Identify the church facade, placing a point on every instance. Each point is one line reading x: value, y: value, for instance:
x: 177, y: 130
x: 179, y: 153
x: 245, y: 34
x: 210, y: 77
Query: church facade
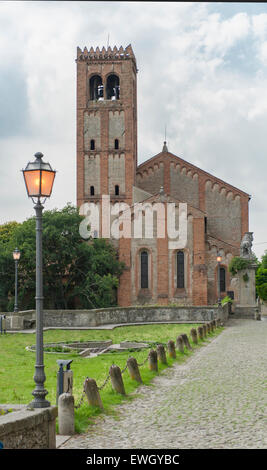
x: 160, y: 267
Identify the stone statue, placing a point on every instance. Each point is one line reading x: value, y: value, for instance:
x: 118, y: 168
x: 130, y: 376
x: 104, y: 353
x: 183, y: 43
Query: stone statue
x: 246, y: 246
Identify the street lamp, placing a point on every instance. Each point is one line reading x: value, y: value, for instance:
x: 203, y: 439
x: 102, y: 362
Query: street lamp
x: 16, y: 257
x: 219, y: 260
x: 39, y: 178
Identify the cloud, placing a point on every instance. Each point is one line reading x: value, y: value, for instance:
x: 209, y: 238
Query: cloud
x: 14, y: 113
x: 202, y: 73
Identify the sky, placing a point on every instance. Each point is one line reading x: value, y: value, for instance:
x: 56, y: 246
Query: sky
x: 202, y: 75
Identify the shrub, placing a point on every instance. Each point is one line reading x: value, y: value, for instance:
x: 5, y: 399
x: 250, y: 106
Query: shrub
x: 261, y: 283
x: 226, y: 300
x: 237, y: 263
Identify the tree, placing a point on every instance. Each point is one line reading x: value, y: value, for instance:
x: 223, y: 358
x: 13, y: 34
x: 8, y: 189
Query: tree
x: 6, y: 231
x: 7, y: 245
x: 76, y: 273
x: 261, y: 278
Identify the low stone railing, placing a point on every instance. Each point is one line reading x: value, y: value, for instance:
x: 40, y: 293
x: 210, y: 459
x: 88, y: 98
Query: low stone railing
x: 116, y: 315
x: 27, y: 428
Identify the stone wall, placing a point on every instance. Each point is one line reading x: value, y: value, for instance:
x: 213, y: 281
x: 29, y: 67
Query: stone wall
x: 116, y: 172
x: 92, y: 173
x: 28, y: 428
x: 92, y: 129
x: 263, y: 308
x: 116, y: 315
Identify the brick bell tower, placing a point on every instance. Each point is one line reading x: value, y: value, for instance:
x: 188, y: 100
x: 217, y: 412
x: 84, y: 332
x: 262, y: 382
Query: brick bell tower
x: 107, y: 135
x: 106, y: 124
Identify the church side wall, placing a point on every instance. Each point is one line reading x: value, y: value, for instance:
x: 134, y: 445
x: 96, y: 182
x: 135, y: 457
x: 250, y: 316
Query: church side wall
x: 224, y: 215
x: 152, y: 179
x: 184, y: 184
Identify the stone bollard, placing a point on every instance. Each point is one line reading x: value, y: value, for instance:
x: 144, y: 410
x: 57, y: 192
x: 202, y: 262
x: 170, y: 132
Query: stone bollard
x: 66, y: 414
x: 171, y: 349
x: 153, y: 360
x: 161, y: 354
x: 133, y: 369
x: 200, y: 332
x: 194, y: 335
x: 92, y: 393
x: 204, y: 326
x: 211, y: 327
x: 214, y: 324
x: 186, y: 341
x: 208, y: 328
x: 180, y: 344
x: 116, y: 379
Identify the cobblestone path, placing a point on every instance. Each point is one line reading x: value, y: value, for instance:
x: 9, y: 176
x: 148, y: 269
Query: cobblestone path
x: 216, y: 400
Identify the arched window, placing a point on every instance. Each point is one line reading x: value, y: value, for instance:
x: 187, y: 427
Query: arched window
x: 116, y: 144
x: 96, y: 87
x: 113, y: 87
x: 222, y: 279
x: 144, y: 269
x: 180, y: 269
x: 117, y: 190
x: 92, y: 190
x: 92, y: 144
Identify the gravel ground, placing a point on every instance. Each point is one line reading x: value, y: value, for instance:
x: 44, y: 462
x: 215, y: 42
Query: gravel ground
x: 216, y: 400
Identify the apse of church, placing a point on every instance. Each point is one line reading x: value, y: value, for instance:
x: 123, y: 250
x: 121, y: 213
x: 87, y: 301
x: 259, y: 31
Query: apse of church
x: 157, y: 272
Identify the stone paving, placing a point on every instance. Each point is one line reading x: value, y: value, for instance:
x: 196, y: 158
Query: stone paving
x: 216, y: 400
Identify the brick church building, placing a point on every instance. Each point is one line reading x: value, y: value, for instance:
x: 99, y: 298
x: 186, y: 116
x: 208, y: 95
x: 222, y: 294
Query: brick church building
x: 107, y: 164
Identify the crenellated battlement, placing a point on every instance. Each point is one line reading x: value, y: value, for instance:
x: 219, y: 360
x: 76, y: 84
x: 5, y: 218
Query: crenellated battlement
x: 105, y: 54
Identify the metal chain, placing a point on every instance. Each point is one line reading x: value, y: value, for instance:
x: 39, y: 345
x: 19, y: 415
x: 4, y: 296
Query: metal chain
x: 106, y: 381
x: 81, y: 401
x: 140, y: 365
x: 123, y: 370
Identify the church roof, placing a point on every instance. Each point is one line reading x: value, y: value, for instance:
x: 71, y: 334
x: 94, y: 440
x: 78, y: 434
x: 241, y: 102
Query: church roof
x: 165, y: 155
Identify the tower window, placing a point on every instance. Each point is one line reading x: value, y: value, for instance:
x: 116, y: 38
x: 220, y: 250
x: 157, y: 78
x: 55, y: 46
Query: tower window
x: 96, y: 87
x: 144, y: 269
x: 113, y: 87
x: 92, y: 190
x: 117, y: 190
x: 116, y: 144
x: 92, y: 144
x: 180, y: 269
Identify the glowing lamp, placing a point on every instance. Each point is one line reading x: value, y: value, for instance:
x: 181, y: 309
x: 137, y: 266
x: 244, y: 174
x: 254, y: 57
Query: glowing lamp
x: 39, y: 177
x: 16, y: 254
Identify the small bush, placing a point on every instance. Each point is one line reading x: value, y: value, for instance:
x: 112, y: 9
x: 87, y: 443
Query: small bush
x: 237, y: 264
x: 226, y: 300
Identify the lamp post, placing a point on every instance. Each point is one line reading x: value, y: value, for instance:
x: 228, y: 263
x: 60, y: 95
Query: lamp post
x: 16, y: 257
x: 219, y: 260
x: 39, y: 178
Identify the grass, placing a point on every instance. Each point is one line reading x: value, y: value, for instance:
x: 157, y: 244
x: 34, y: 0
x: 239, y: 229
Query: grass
x: 17, y: 364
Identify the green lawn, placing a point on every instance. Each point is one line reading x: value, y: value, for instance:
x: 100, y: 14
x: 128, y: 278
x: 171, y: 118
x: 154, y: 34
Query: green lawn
x: 17, y: 364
